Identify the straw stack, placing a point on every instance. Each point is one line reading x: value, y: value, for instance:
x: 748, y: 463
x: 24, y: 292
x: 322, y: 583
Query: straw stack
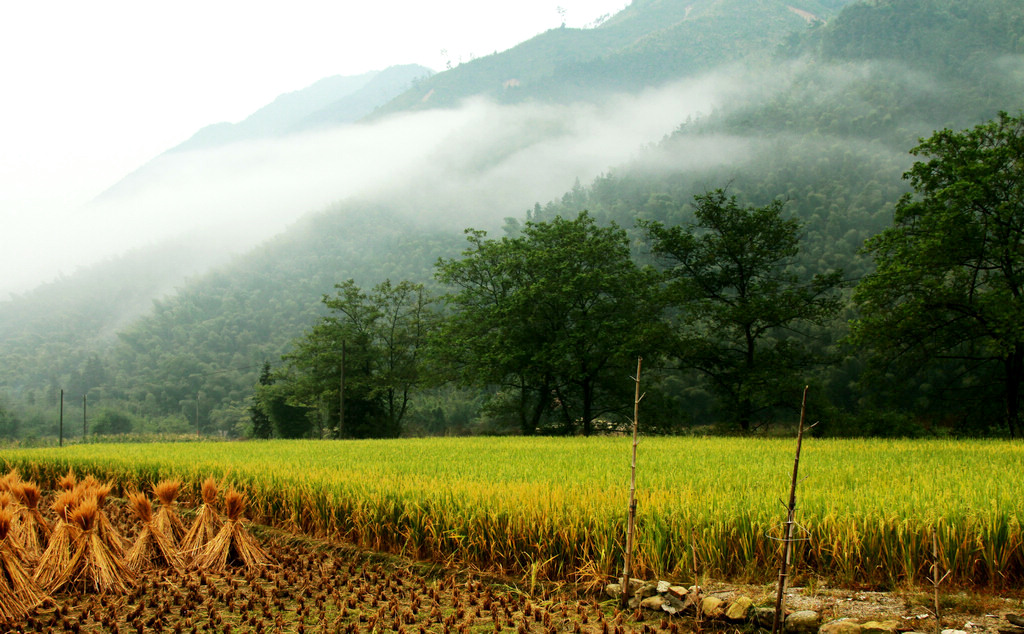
x: 206, y: 524
x: 152, y: 548
x: 8, y: 504
x: 19, y: 594
x: 67, y: 482
x: 57, y: 556
x: 10, y: 479
x: 167, y: 519
x: 33, y: 529
x: 233, y: 544
x: 93, y: 566
x: 91, y: 488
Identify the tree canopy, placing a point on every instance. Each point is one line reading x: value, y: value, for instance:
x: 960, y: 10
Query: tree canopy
x: 552, y: 315
x: 738, y: 308
x: 949, y: 285
x: 357, y: 365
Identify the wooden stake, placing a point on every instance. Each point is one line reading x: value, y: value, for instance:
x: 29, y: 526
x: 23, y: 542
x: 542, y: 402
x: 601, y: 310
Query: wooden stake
x: 626, y: 572
x: 790, y: 513
x: 936, y: 581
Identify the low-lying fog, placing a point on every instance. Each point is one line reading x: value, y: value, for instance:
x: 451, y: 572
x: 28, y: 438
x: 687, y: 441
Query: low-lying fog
x: 471, y: 165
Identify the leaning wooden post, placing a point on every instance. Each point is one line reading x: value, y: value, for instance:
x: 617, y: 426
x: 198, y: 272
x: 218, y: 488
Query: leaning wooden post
x: 626, y: 572
x: 791, y: 512
x: 936, y: 581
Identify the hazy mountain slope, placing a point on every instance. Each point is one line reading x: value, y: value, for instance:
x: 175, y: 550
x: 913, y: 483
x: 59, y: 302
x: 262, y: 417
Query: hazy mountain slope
x: 50, y: 331
x: 826, y: 129
x: 57, y: 325
x: 646, y: 44
x: 331, y: 101
x: 385, y: 86
x: 948, y: 37
x: 830, y: 137
x: 214, y: 334
x: 281, y: 115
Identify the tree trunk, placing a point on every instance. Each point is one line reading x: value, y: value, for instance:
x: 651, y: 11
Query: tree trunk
x: 1014, y: 365
x: 746, y: 413
x: 525, y: 426
x: 543, y: 400
x: 588, y: 408
x: 745, y: 408
x: 567, y: 426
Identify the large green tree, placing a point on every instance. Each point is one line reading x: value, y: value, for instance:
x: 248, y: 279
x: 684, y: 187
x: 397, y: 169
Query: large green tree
x: 740, y: 312
x: 948, y: 290
x: 554, y: 315
x: 262, y: 426
x: 359, y: 365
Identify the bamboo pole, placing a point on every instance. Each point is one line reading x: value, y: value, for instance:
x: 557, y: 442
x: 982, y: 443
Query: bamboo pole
x: 787, y: 548
x: 631, y: 522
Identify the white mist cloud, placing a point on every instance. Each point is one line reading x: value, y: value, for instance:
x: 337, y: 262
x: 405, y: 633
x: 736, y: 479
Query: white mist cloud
x: 465, y: 166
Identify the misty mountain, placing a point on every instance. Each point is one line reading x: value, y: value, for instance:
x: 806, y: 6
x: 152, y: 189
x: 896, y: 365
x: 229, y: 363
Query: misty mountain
x: 817, y: 108
x: 329, y: 102
x: 646, y: 44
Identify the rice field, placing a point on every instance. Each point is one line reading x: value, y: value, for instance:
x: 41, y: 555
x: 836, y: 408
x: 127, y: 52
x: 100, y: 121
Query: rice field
x: 554, y: 508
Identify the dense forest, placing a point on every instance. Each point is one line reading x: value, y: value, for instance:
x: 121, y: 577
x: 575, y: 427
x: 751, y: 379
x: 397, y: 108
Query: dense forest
x: 818, y: 140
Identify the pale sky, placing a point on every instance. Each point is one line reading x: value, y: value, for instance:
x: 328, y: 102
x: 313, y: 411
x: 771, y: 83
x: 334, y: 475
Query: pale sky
x: 94, y: 89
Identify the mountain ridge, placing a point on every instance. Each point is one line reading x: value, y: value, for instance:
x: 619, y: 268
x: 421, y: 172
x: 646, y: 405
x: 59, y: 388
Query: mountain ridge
x: 335, y: 100
x: 640, y: 47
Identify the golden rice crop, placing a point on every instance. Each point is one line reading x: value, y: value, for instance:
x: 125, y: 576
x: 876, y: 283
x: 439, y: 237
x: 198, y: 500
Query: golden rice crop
x: 555, y: 507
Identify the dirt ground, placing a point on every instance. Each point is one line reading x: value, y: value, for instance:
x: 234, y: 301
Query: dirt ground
x: 320, y: 587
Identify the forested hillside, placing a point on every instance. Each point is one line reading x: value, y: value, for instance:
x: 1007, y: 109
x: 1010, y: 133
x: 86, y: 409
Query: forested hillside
x: 648, y: 43
x: 824, y: 124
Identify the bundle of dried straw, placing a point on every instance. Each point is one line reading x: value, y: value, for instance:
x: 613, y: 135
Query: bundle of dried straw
x: 93, y: 566
x: 57, y: 556
x: 167, y: 519
x: 68, y: 482
x: 152, y: 548
x: 91, y: 488
x: 33, y: 529
x: 233, y: 544
x: 206, y: 523
x: 19, y: 594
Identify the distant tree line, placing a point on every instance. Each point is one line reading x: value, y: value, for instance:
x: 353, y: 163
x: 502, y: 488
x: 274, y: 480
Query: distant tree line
x: 549, y: 321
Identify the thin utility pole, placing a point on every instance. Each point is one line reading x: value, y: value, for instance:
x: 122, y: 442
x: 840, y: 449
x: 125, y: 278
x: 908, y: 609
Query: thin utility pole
x: 61, y: 417
x: 84, y: 416
x: 341, y: 394
x: 791, y: 512
x: 197, y: 416
x: 631, y: 522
